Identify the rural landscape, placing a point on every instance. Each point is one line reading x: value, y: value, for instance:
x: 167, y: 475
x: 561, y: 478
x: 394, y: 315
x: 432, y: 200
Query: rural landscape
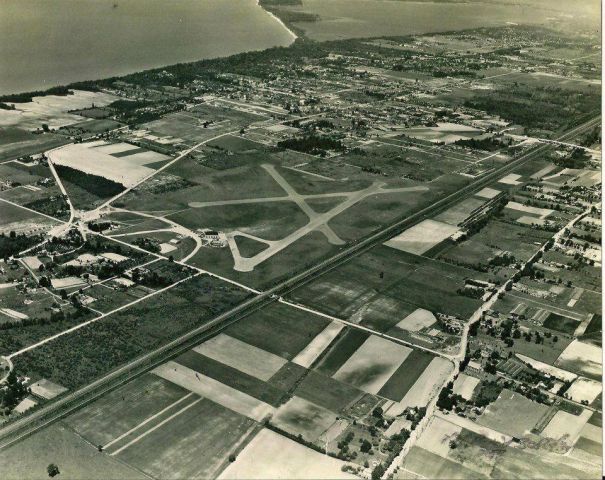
x: 363, y: 255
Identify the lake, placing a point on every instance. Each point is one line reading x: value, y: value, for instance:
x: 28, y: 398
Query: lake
x: 339, y: 19
x: 44, y: 43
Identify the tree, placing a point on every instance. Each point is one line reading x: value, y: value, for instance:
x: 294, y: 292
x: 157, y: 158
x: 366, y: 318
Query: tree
x: 52, y: 470
x: 365, y: 446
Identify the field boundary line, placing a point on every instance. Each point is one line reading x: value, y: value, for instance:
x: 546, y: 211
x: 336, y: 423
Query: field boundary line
x: 100, y: 317
x: 147, y: 420
x: 33, y: 211
x: 153, y: 429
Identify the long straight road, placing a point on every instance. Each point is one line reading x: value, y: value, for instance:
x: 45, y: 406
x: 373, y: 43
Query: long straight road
x: 53, y: 411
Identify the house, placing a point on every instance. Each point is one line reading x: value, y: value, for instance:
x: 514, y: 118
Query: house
x: 114, y: 258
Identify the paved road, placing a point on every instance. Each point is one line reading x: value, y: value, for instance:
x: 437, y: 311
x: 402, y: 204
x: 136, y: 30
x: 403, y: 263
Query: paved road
x: 53, y: 411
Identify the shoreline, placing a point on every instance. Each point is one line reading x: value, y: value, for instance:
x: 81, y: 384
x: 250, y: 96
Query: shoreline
x: 44, y: 87
x: 278, y: 20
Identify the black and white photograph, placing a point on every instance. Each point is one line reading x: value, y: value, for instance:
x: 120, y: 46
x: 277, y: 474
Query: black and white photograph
x: 301, y: 239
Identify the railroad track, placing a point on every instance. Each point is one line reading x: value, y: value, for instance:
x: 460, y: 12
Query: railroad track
x: 47, y: 414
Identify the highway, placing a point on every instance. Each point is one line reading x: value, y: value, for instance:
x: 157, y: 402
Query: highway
x: 46, y: 414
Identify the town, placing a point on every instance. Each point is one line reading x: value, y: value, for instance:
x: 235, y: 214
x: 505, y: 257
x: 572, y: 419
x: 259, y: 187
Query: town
x: 372, y: 258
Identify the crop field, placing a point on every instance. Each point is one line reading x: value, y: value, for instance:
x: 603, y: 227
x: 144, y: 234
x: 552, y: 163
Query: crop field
x: 431, y: 465
x: 278, y: 329
x: 512, y: 414
x: 214, y: 390
x: 582, y: 358
x: 422, y: 237
x: 404, y: 378
x: 273, y: 456
x: 417, y: 320
x: 302, y: 417
x: 460, y: 212
x: 372, y: 364
x: 327, y: 392
x: 242, y: 356
x: 386, y: 272
x: 585, y: 390
x: 88, y: 159
x: 28, y: 144
x: 194, y: 444
x: 566, y: 426
x: 428, y: 383
x: 316, y: 347
x: 350, y: 340
x: 232, y: 378
x: 101, y: 422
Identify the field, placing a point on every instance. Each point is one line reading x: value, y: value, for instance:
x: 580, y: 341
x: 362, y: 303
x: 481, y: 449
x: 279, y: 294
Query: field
x: 417, y: 320
x: 152, y: 410
x: 581, y: 358
x: 272, y: 456
x: 327, y: 392
x: 512, y: 414
x: 28, y: 144
x: 101, y: 422
x: 360, y: 289
x: 422, y: 237
x: 83, y: 355
x: 22, y: 221
x: 75, y: 457
x: 278, y: 329
x: 237, y: 354
x: 91, y: 160
x: 372, y: 364
x: 52, y: 110
x: 316, y: 347
x: 302, y: 417
x: 195, y: 444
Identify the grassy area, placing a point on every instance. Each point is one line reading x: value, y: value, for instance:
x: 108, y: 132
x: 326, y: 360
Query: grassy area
x: 75, y: 458
x: 249, y: 247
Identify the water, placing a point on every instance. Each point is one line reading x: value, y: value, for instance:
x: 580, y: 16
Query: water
x: 341, y: 19
x: 54, y: 42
